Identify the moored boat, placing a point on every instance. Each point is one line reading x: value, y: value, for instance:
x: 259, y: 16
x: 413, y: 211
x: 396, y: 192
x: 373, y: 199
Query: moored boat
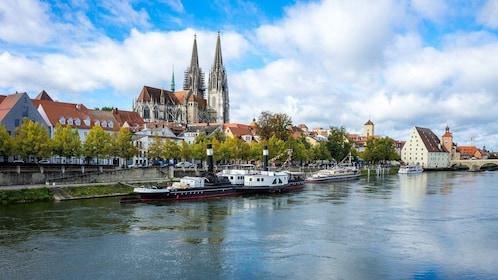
x: 344, y: 171
x: 189, y: 188
x: 267, y: 181
x: 410, y: 169
x: 334, y: 174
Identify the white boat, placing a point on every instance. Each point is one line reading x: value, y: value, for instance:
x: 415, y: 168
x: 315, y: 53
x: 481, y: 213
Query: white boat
x: 336, y: 173
x: 344, y: 171
x: 268, y: 182
x: 410, y: 169
x: 237, y: 172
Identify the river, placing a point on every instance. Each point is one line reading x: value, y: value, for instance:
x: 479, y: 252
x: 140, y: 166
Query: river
x: 436, y: 225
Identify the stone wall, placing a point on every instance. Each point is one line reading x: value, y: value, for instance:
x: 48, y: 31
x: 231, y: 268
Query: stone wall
x: 148, y: 174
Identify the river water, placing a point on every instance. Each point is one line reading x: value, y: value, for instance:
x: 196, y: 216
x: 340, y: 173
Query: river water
x: 437, y: 225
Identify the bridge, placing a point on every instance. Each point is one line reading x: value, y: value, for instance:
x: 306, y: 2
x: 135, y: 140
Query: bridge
x: 475, y: 164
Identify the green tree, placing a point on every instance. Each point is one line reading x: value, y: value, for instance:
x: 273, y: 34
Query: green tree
x: 338, y: 144
x: 97, y: 143
x: 66, y: 141
x: 320, y: 151
x: 185, y: 152
x: 122, y: 144
x: 156, y: 148
x: 380, y: 149
x: 32, y: 140
x: 171, y: 150
x: 277, y: 125
x: 6, y: 143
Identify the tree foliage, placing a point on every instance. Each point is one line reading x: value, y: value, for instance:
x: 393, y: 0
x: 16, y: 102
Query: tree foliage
x: 66, y: 141
x: 6, y: 143
x: 277, y: 125
x: 121, y: 144
x: 338, y: 144
x: 32, y: 140
x: 97, y: 143
x: 380, y: 149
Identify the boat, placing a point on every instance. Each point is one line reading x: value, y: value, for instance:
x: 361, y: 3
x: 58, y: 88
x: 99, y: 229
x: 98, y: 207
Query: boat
x: 410, y: 169
x: 268, y: 181
x: 188, y: 188
x: 344, y: 171
x: 236, y: 173
x: 334, y: 174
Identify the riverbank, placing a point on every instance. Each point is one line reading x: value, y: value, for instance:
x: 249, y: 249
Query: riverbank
x: 50, y: 193
x: 60, y: 193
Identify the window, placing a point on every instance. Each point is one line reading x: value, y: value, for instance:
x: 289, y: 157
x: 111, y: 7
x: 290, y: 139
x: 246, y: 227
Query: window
x: 62, y: 120
x: 24, y: 111
x: 77, y: 121
x: 87, y: 121
x: 16, y: 122
x: 111, y: 124
x: 70, y: 121
x: 104, y: 123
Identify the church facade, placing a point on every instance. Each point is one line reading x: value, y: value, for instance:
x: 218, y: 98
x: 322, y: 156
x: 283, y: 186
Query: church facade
x: 193, y: 104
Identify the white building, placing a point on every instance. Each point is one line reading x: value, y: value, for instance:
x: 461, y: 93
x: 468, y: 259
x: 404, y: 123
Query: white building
x: 424, y: 148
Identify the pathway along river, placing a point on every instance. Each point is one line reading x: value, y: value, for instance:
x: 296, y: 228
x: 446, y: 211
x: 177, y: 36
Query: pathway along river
x: 437, y: 225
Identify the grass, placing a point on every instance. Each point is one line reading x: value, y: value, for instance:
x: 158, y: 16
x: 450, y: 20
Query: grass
x: 25, y: 195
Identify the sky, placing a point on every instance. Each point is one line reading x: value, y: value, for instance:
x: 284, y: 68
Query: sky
x: 328, y: 63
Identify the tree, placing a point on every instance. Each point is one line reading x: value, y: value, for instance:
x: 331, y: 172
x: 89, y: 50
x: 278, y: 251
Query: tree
x: 155, y: 149
x: 97, y: 143
x: 32, y: 140
x: 171, y: 150
x: 338, y: 144
x: 66, y: 141
x: 6, y: 143
x: 380, y: 149
x: 320, y: 151
x: 122, y: 144
x: 277, y: 125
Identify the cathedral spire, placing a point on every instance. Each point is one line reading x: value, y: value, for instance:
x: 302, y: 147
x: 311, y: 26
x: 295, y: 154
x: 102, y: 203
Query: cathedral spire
x: 218, y: 99
x: 173, y: 80
x: 194, y: 62
x: 194, y: 77
x: 218, y: 60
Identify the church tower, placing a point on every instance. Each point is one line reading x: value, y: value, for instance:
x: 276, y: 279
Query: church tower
x: 194, y: 77
x: 368, y: 129
x: 447, y: 142
x: 218, y: 100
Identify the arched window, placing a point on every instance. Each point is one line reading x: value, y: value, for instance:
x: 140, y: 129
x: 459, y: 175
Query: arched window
x: 146, y: 113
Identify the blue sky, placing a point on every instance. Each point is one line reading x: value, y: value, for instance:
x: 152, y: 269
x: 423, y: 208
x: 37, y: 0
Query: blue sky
x: 424, y: 63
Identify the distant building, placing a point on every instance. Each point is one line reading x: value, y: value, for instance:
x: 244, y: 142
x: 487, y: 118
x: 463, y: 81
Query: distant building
x: 190, y: 105
x: 424, y: 148
x: 14, y: 108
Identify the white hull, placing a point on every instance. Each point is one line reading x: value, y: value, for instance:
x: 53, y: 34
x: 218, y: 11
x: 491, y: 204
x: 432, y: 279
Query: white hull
x: 335, y: 174
x: 410, y: 169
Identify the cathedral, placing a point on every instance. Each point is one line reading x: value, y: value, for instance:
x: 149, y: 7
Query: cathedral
x: 192, y: 104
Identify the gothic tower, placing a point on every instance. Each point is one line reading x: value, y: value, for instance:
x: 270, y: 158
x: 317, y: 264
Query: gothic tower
x: 194, y: 77
x: 217, y: 98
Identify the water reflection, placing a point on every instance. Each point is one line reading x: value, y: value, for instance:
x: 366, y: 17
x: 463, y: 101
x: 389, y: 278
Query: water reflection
x: 440, y: 225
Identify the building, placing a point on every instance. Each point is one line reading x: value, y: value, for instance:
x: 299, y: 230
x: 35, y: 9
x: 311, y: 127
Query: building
x: 424, y: 148
x: 14, y: 108
x: 190, y: 105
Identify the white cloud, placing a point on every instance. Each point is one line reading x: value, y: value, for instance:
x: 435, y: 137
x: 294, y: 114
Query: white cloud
x: 25, y: 22
x: 328, y: 63
x: 434, y: 10
x: 488, y: 15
